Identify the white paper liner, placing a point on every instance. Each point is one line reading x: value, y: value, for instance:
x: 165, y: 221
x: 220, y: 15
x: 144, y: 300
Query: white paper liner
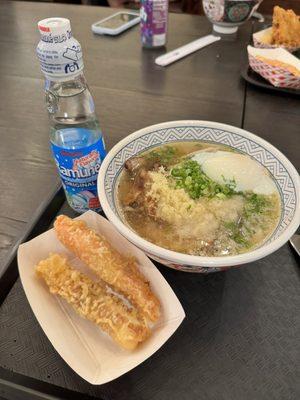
x: 91, y: 353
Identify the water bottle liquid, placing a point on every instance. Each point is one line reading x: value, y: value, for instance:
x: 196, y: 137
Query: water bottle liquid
x: 75, y: 136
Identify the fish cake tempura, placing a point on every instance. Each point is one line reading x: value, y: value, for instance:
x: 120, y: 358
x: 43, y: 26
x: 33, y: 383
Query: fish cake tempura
x: 286, y: 28
x: 91, y: 300
x: 116, y: 270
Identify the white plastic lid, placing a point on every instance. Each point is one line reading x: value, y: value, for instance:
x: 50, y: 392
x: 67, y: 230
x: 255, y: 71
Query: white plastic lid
x: 58, y: 51
x: 56, y: 26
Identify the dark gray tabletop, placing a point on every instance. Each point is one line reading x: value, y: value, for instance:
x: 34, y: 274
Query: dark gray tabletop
x: 240, y: 339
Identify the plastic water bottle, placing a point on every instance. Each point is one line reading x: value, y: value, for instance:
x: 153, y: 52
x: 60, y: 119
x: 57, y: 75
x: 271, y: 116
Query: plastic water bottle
x: 154, y: 19
x: 76, y: 139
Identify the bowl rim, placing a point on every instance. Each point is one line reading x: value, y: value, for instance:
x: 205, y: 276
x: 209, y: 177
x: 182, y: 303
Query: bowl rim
x: 181, y: 258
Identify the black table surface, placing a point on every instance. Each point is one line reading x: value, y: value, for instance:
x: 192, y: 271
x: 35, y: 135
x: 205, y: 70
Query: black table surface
x: 240, y: 338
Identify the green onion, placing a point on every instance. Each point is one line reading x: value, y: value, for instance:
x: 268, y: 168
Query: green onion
x: 165, y: 155
x: 255, y: 204
x: 190, y: 177
x: 236, y: 234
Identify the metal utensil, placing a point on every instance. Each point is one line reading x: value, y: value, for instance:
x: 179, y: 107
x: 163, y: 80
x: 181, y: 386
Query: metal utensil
x: 295, y: 242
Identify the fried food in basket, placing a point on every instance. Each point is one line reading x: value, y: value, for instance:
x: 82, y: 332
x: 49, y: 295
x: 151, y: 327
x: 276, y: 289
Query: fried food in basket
x: 118, y: 271
x: 92, y: 301
x: 279, y: 64
x: 286, y: 28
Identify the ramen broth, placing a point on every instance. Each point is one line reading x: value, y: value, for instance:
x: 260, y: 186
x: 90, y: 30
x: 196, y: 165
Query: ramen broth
x: 196, y: 198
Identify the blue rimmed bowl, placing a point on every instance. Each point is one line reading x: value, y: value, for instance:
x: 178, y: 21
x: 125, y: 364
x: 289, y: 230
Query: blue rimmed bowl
x: 282, y: 171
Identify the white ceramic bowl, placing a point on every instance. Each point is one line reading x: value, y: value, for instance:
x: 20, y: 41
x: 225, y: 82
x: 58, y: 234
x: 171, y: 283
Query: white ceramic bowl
x: 227, y: 15
x: 283, y: 172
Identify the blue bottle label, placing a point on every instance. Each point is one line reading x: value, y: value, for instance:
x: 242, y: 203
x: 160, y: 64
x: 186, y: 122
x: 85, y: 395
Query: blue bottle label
x: 78, y: 170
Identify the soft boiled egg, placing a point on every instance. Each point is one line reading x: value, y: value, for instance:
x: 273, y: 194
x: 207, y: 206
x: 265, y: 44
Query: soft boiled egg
x: 223, y: 166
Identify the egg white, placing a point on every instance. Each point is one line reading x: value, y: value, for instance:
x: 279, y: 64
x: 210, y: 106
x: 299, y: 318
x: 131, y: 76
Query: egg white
x: 249, y: 175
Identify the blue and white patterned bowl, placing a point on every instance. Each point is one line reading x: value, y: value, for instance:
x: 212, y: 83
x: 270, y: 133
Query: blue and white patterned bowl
x: 283, y: 172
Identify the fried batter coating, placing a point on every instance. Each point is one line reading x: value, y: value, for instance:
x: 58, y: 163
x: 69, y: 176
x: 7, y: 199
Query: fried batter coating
x: 92, y: 301
x: 118, y: 271
x: 286, y: 28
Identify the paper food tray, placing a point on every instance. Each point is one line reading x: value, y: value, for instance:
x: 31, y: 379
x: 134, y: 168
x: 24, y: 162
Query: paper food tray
x: 276, y: 75
x: 262, y: 39
x: 91, y: 353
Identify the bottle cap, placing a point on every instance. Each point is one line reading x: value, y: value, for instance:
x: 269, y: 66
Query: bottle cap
x: 58, y: 51
x: 55, y: 26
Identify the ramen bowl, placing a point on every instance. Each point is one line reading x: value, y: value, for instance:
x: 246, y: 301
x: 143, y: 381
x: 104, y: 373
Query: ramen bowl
x: 281, y: 170
x: 227, y: 15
